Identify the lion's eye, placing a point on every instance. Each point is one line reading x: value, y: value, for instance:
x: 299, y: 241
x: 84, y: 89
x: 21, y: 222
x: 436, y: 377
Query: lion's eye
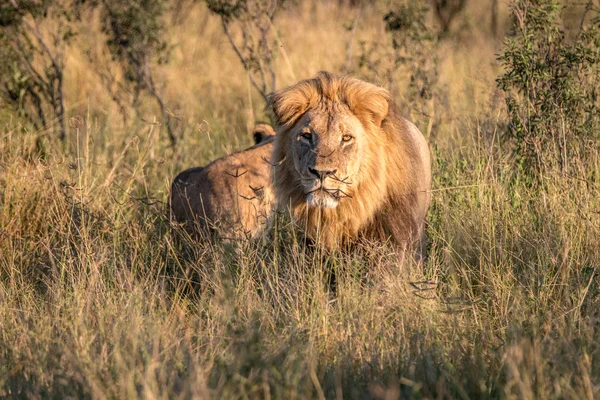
x: 347, y: 138
x: 306, y: 136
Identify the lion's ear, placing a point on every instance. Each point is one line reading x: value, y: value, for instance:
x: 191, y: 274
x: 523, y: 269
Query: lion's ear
x: 290, y: 103
x: 262, y: 133
x: 372, y: 105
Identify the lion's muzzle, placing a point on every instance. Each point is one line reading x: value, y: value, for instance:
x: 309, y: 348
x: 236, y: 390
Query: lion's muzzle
x: 322, y: 198
x: 323, y: 192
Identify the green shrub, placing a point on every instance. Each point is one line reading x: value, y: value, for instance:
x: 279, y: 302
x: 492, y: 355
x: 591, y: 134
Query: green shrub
x: 32, y: 65
x: 551, y: 87
x: 135, y: 37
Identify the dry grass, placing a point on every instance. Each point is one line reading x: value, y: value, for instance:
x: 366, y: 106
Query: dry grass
x: 101, y: 297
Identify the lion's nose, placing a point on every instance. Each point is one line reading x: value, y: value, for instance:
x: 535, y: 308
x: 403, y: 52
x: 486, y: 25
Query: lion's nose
x: 322, y: 174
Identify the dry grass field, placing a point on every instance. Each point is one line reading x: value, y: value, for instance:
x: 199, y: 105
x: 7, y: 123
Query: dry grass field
x: 102, y: 297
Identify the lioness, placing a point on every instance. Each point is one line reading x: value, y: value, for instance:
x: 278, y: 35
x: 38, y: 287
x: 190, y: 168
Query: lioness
x: 349, y: 166
x: 232, y: 195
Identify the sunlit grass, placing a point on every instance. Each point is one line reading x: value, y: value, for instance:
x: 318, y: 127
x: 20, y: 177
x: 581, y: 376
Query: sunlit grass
x: 101, y: 296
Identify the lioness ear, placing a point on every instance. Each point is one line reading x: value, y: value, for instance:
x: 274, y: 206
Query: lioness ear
x: 290, y: 103
x: 262, y: 132
x: 258, y: 137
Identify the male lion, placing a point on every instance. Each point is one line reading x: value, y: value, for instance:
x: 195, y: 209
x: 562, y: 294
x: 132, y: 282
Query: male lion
x: 232, y: 195
x: 348, y: 166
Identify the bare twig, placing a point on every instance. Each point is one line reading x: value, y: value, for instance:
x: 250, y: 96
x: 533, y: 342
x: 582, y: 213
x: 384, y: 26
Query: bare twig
x: 237, y: 173
x: 242, y: 58
x: 277, y: 164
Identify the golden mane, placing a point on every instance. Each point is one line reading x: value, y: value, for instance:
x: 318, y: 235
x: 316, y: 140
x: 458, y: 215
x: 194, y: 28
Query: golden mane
x: 364, y: 99
x: 390, y: 193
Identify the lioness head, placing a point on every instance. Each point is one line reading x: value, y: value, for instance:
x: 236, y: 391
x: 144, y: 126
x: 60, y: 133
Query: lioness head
x: 326, y: 121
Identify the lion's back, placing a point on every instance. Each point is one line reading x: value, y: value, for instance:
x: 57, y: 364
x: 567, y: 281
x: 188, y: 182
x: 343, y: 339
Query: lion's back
x: 231, y: 195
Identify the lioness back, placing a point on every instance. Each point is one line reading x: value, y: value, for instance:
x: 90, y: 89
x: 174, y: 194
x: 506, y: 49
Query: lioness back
x: 232, y: 195
x: 349, y: 166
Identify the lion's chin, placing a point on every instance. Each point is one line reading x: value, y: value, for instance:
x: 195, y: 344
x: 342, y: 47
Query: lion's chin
x: 321, y: 200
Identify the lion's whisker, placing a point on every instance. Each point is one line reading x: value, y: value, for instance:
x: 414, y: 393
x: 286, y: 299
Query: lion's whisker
x: 336, y: 193
x: 344, y: 180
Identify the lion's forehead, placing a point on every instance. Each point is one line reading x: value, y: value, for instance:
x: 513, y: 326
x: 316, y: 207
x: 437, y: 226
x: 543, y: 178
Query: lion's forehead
x: 331, y: 123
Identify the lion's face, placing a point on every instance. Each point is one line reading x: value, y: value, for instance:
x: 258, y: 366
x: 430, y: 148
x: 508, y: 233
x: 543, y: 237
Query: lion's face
x: 346, y: 165
x: 327, y: 151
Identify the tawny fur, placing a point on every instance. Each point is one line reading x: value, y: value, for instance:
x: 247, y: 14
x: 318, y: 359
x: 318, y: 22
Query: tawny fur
x: 381, y: 177
x: 231, y: 196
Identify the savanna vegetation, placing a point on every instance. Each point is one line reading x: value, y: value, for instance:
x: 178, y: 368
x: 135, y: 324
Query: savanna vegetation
x: 102, y: 102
